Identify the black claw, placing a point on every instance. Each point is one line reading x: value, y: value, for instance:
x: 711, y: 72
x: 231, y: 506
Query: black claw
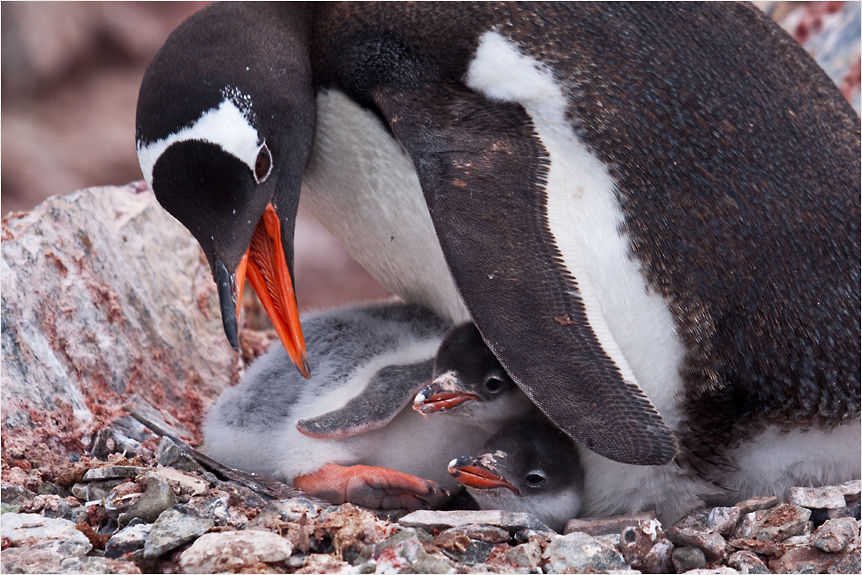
x: 227, y: 302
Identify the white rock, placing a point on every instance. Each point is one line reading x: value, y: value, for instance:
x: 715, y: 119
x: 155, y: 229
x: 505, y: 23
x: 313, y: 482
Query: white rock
x: 229, y: 550
x: 38, y: 532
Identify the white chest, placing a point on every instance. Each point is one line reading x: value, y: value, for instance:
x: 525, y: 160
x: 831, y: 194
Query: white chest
x: 361, y: 185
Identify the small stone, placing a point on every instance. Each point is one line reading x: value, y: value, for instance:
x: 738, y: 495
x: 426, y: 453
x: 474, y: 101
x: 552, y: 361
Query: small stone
x: 834, y: 535
x: 6, y: 508
x: 712, y: 544
x: 94, y: 490
x: 487, y: 533
x: 579, y: 552
x: 169, y: 454
x: 110, y: 440
x: 721, y: 570
x: 607, y: 525
x: 747, y: 562
x: 779, y: 523
x: 127, y: 540
x: 645, y: 547
x: 757, y: 504
x: 526, y: 555
x: 744, y: 527
x: 184, y: 486
x: 471, y: 553
x: 688, y: 558
x: 755, y: 546
x: 801, y: 560
x: 215, y: 508
x: 122, y: 498
x: 405, y: 552
x: 846, y: 563
x: 829, y: 497
x: 15, y: 494
x: 156, y: 499
x: 24, y: 560
x: 229, y: 550
x: 441, y: 520
x: 285, y: 510
x: 49, y: 488
x: 720, y: 520
x: 116, y: 472
x: 173, y: 529
x: 36, y: 531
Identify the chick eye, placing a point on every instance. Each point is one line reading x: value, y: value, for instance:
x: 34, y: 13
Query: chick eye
x: 494, y: 384
x: 263, y: 164
x: 534, y: 478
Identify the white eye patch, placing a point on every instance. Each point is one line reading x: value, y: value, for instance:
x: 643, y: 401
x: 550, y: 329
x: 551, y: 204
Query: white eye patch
x: 225, y: 126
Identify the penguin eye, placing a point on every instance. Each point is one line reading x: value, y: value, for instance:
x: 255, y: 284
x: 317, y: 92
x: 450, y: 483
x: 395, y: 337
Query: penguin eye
x: 535, y: 478
x: 494, y: 384
x: 263, y: 164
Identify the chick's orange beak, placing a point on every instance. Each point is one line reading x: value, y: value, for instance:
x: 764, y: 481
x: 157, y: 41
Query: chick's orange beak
x: 265, y: 267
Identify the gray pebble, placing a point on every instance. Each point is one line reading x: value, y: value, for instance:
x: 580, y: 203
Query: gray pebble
x: 578, y: 552
x: 747, y: 562
x: 173, y: 529
x: 39, y: 532
x: 688, y: 558
x: 116, y: 472
x: 157, y: 498
x: 834, y: 535
x: 127, y: 540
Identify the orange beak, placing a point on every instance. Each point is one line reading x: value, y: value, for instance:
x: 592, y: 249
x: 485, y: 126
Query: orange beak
x: 265, y: 267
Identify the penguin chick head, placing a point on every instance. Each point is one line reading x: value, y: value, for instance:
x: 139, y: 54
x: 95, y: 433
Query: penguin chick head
x: 529, y: 466
x: 224, y: 129
x: 470, y: 382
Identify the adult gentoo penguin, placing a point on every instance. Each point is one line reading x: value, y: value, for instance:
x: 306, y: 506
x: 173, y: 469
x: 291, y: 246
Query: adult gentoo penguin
x: 348, y: 434
x: 650, y: 210
x: 528, y: 466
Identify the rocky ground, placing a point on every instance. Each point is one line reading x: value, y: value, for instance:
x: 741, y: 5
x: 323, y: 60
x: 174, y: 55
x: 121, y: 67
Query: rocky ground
x: 141, y: 503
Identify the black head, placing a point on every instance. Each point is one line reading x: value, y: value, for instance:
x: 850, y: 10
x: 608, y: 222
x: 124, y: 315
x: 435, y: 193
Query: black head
x: 225, y: 125
x: 464, y: 352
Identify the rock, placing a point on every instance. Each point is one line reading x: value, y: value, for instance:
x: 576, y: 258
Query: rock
x: 133, y: 310
x: 722, y: 570
x: 846, y: 563
x: 23, y: 560
x: 127, y: 540
x: 403, y: 552
x: 441, y: 520
x: 802, y: 560
x: 55, y: 507
x: 157, y: 498
x: 15, y: 494
x: 38, y: 532
x: 173, y: 529
x: 688, y: 558
x: 747, y: 562
x: 112, y: 439
x: 216, y: 508
x: 122, y: 498
x: 526, y: 556
x: 184, y: 486
x: 465, y: 550
x: 830, y: 497
x: 606, y: 525
x: 285, y: 510
x: 319, y: 563
x: 646, y: 548
x: 755, y: 546
x: 757, y: 504
x: 779, y: 523
x: 578, y: 552
x: 712, y: 544
x: 169, y: 454
x: 232, y: 550
x: 834, y: 535
x: 487, y: 533
x: 49, y: 488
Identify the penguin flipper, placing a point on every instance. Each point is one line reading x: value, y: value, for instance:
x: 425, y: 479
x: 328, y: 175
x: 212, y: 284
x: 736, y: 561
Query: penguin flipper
x: 482, y: 168
x: 388, y: 392
x: 372, y: 487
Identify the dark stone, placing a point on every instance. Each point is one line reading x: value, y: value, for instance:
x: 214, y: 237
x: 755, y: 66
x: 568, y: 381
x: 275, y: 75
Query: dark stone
x: 747, y: 562
x: 712, y: 544
x: 688, y: 558
x: 128, y: 540
x: 606, y: 525
x: 15, y: 494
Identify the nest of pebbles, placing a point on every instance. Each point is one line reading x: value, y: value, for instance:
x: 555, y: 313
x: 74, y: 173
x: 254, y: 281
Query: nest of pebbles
x: 141, y: 503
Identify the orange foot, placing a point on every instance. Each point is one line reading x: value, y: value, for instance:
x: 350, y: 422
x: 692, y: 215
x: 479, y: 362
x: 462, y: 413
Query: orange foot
x: 373, y: 487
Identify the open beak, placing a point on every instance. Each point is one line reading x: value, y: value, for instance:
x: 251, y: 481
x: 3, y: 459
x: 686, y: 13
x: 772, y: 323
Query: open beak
x: 468, y: 471
x: 265, y: 267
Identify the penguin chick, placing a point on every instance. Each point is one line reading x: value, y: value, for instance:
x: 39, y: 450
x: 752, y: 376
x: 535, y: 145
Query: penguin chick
x: 469, y: 379
x: 528, y: 466
x: 345, y: 434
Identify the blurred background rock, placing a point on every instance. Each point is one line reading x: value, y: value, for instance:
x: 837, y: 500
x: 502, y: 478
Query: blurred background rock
x: 70, y: 78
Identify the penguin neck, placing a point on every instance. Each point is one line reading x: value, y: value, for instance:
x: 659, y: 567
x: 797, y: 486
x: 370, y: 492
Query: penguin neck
x: 361, y: 185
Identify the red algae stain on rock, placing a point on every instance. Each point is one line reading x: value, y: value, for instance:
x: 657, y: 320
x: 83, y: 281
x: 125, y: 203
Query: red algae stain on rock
x: 104, y: 297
